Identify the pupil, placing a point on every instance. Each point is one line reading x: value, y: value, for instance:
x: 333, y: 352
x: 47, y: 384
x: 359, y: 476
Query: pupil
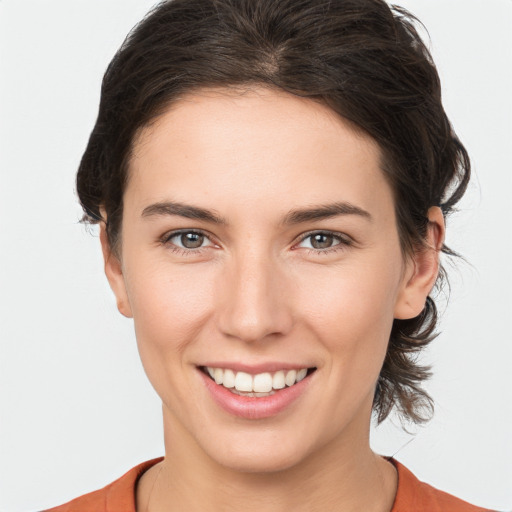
x: 321, y: 241
x: 192, y: 240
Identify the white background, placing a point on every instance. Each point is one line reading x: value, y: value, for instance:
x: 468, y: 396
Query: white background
x: 76, y: 410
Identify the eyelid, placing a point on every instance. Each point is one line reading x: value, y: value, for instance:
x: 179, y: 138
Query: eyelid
x: 342, y: 237
x: 344, y: 242
x: 166, y: 238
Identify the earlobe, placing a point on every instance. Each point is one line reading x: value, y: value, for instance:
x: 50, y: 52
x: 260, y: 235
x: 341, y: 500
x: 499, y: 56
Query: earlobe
x: 114, y: 273
x: 422, y: 269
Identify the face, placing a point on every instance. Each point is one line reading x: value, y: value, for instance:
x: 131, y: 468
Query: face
x: 258, y: 240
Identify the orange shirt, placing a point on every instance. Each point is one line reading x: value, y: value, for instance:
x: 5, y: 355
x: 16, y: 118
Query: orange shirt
x: 412, y: 495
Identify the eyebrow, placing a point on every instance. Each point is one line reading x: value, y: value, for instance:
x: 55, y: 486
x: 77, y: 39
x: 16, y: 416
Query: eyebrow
x: 324, y: 212
x: 183, y: 210
x: 298, y: 216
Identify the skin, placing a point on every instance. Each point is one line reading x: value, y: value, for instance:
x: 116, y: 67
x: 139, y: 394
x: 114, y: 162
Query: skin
x: 258, y: 291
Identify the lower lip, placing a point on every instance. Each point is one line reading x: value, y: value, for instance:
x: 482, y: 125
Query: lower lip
x: 254, y: 408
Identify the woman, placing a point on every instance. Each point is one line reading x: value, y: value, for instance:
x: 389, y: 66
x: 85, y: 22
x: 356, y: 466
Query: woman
x: 271, y: 181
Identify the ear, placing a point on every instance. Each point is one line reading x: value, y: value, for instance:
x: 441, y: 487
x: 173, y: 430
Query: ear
x: 114, y: 273
x: 422, y: 269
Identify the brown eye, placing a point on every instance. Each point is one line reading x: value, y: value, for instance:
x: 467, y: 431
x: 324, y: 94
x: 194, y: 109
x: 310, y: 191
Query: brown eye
x: 191, y: 240
x: 322, y: 241
x: 188, y: 240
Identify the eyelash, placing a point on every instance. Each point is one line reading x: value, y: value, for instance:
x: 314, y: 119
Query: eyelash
x: 343, y: 242
x: 166, y: 240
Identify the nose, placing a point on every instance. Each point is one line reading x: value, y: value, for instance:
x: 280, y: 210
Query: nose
x: 253, y: 302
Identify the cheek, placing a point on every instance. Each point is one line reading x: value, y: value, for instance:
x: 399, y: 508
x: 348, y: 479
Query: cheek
x: 352, y: 320
x: 359, y: 295
x: 170, y: 303
x: 171, y: 306
x: 351, y: 313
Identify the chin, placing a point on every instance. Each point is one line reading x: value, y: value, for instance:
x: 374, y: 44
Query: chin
x: 265, y: 451
x: 258, y: 462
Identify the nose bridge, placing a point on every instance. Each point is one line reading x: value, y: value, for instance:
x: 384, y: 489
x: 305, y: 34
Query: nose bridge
x: 253, y: 304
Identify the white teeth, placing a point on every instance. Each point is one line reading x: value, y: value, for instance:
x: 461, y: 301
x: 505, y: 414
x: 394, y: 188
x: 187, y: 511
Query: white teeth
x: 290, y: 378
x: 278, y: 380
x: 218, y: 375
x: 261, y: 384
x: 300, y: 374
x: 243, y: 382
x: 229, y: 379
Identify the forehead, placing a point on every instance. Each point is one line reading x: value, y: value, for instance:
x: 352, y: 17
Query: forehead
x: 255, y: 143
x: 250, y: 107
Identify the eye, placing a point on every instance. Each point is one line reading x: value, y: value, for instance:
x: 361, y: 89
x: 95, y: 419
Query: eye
x: 188, y: 239
x: 320, y: 241
x: 323, y: 241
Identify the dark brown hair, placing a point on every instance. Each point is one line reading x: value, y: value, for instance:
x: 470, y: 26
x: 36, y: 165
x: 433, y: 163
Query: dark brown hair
x: 361, y: 58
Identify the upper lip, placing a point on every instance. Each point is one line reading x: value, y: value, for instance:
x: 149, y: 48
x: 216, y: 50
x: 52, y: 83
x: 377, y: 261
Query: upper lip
x: 254, y: 369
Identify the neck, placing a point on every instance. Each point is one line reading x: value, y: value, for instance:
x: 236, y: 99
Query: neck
x: 344, y: 476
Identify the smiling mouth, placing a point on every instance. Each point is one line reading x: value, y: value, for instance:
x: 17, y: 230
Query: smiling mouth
x: 259, y: 385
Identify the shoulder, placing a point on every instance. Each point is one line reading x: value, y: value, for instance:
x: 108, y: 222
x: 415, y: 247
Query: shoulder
x: 119, y: 496
x: 412, y: 494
